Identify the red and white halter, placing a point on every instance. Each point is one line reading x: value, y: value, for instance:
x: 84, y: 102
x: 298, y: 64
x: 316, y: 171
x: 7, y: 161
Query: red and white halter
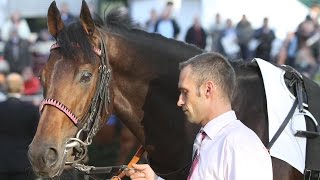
x: 88, y: 125
x: 60, y: 105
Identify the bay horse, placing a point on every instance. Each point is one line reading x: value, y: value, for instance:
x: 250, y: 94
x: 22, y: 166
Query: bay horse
x: 95, y: 70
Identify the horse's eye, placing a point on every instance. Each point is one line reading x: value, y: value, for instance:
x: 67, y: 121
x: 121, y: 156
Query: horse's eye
x: 85, y: 77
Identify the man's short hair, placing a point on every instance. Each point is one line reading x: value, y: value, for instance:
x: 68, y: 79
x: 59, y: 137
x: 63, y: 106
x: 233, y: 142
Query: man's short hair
x: 169, y: 3
x: 15, y: 83
x: 214, y: 67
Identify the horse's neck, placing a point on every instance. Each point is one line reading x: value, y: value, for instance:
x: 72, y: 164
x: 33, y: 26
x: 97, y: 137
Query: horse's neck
x: 249, y: 101
x: 145, y: 77
x: 145, y: 94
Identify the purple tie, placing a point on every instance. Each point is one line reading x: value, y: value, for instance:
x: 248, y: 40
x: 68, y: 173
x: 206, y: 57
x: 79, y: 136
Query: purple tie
x: 201, y: 135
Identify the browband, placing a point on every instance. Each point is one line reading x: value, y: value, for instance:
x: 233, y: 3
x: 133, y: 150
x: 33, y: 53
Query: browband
x: 96, y: 50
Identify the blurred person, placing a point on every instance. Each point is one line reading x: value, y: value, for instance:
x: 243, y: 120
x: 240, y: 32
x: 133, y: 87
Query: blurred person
x: 17, y: 23
x: 265, y: 35
x: 40, y: 50
x: 305, y: 62
x: 288, y: 50
x: 66, y: 15
x: 44, y: 36
x: 17, y: 52
x: 166, y: 25
x: 4, y: 66
x: 244, y: 35
x: 308, y: 35
x: 19, y: 122
x: 151, y: 22
x: 3, y: 13
x: 224, y: 148
x: 32, y: 83
x: 216, y: 33
x: 306, y: 29
x: 3, y: 95
x: 315, y: 13
x: 229, y: 41
x: 196, y: 34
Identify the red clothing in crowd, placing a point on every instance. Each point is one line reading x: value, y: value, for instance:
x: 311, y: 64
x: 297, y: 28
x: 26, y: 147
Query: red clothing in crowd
x: 32, y: 86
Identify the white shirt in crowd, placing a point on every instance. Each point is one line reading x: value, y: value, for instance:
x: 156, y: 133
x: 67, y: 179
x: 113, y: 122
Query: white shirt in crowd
x: 165, y: 28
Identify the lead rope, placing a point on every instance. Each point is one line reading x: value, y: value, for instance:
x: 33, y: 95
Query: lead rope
x: 134, y: 160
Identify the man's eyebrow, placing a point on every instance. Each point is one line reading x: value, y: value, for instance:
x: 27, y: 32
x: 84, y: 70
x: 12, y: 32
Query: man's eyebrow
x: 182, y: 89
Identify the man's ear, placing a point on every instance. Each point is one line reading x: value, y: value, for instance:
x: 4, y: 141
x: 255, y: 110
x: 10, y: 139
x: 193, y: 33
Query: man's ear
x: 210, y: 88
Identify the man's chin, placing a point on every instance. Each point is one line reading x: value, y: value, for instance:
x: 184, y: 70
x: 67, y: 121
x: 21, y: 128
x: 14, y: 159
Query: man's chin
x: 191, y: 120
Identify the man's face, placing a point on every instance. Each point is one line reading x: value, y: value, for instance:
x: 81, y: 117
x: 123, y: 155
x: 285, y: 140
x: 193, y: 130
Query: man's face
x: 191, y: 100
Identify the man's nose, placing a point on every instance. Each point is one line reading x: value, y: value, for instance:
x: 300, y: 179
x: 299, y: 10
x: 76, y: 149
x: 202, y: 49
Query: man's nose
x: 180, y: 101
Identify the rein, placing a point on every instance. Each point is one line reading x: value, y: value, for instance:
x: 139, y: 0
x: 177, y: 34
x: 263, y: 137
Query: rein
x: 92, y: 117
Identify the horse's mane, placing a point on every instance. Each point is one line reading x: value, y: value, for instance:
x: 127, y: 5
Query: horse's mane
x: 119, y: 22
x: 70, y: 43
x: 120, y: 18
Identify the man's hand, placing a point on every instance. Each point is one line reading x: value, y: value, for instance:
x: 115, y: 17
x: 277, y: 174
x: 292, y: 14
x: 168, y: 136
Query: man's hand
x: 141, y: 172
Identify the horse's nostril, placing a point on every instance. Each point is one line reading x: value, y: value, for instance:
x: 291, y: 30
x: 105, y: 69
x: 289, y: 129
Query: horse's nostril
x: 50, y: 157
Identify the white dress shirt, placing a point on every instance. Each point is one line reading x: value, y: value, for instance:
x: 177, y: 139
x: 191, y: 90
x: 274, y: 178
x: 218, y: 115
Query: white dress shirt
x: 232, y: 151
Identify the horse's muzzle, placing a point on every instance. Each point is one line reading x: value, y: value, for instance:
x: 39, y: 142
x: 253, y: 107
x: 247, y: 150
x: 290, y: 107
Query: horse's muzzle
x: 44, y: 160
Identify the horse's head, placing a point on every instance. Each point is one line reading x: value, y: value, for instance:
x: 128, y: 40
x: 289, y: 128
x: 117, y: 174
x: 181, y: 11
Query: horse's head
x: 76, y: 93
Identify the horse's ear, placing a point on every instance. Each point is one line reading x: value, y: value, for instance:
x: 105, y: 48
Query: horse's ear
x: 55, y: 23
x: 86, y: 19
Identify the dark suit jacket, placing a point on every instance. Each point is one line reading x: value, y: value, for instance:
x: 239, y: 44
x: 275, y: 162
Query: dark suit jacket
x: 24, y: 58
x: 191, y: 37
x: 18, y: 123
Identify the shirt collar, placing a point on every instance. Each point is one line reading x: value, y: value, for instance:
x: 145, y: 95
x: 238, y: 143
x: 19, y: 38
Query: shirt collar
x: 216, y: 124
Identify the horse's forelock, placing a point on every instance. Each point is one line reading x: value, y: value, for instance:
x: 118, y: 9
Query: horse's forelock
x: 74, y: 42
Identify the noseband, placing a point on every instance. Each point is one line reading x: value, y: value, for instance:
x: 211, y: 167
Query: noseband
x: 92, y: 117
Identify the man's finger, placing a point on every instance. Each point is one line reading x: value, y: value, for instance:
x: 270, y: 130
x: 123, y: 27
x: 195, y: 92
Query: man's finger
x: 140, y: 166
x: 138, y: 175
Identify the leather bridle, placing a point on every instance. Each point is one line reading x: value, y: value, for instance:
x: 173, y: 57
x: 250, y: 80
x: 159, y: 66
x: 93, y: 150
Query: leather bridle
x: 88, y: 125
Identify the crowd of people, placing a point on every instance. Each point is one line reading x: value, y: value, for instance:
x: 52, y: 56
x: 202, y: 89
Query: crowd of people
x: 300, y: 49
x: 24, y: 55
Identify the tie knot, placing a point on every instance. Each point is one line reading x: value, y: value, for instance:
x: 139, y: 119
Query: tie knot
x: 202, y: 135
x: 199, y: 138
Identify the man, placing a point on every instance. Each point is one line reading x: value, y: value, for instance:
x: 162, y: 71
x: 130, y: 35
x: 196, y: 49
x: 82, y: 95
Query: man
x: 166, y: 25
x: 244, y: 34
x: 19, y: 121
x: 19, y: 24
x: 196, y: 34
x: 16, y: 52
x: 265, y: 35
x: 228, y: 150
